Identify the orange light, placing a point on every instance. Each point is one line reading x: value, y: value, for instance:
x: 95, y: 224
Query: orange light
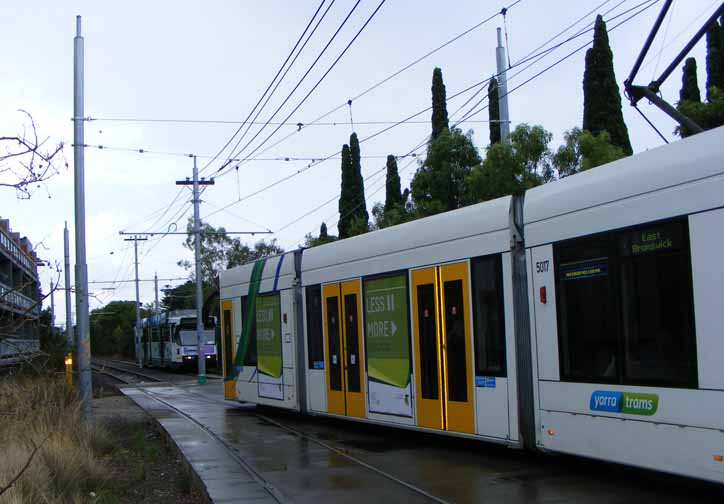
x: 551, y: 432
x: 718, y: 457
x: 543, y: 296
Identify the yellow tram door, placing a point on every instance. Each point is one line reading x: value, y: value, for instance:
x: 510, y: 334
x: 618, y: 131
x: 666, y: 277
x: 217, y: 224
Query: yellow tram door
x: 443, y: 369
x: 227, y: 347
x: 428, y: 373
x: 343, y: 348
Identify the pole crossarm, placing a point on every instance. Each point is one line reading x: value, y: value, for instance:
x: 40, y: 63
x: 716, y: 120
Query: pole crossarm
x: 163, y: 233
x: 133, y: 280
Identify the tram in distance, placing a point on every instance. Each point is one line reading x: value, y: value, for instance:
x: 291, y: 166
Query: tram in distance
x: 169, y: 339
x: 583, y: 317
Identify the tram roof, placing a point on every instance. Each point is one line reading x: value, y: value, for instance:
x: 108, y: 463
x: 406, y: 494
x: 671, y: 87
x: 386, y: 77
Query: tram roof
x: 689, y: 160
x: 278, y: 270
x: 466, y: 232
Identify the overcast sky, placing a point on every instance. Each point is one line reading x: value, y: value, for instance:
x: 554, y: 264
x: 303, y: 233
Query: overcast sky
x: 212, y: 60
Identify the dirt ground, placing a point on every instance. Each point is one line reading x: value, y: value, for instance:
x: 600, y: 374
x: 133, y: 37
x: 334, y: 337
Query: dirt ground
x: 143, y: 467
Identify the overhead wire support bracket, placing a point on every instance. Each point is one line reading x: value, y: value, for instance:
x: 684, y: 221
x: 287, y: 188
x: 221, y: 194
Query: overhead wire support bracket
x: 651, y: 92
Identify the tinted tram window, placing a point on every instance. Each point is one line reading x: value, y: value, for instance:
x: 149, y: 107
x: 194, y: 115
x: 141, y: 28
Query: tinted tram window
x: 250, y: 356
x: 657, y: 306
x: 335, y: 354
x: 315, y: 343
x: 457, y: 388
x: 625, y: 307
x: 352, y: 341
x: 488, y: 316
x: 426, y: 321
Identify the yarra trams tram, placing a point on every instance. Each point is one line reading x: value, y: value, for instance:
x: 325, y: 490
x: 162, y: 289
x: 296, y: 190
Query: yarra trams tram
x: 584, y: 317
x: 169, y: 340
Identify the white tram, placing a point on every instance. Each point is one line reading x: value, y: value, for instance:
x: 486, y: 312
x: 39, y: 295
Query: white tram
x: 169, y: 339
x: 584, y: 317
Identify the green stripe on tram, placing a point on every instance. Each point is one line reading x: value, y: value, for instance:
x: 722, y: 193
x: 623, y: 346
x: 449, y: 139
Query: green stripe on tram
x: 254, y: 285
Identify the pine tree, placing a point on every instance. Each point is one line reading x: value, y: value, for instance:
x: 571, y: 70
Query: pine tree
x: 601, y: 97
x: 493, y: 111
x: 714, y: 58
x: 689, y: 83
x: 393, y: 192
x: 439, y: 105
x: 354, y: 218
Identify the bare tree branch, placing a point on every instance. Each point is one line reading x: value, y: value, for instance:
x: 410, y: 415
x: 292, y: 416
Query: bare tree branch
x: 26, y: 161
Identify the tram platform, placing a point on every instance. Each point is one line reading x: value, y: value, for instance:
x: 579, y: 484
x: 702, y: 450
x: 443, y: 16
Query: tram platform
x: 244, y: 454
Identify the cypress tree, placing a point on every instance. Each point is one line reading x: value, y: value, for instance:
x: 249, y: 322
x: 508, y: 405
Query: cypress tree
x: 352, y: 205
x: 601, y: 97
x: 393, y: 192
x: 323, y: 235
x: 439, y: 105
x: 714, y: 58
x: 493, y: 111
x: 689, y: 83
x: 346, y: 195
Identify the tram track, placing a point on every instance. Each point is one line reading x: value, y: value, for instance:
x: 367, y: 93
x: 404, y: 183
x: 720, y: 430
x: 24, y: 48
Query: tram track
x: 273, y: 491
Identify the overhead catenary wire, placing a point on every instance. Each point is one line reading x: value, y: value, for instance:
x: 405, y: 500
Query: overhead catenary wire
x: 178, y: 193
x: 646, y: 7
x: 530, y: 59
x: 309, y: 93
x: 371, y: 88
x: 473, y: 112
x: 269, y: 96
x: 261, y: 98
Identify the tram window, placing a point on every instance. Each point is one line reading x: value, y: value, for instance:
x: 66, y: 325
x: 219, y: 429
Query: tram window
x: 427, y: 321
x: 489, y: 316
x: 250, y: 356
x: 657, y: 306
x: 588, y: 325
x: 457, y: 389
x: 351, y: 342
x: 315, y: 342
x: 335, y: 353
x: 625, y: 307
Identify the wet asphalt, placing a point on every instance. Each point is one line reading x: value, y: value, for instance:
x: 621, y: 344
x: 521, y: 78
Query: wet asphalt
x: 318, y: 459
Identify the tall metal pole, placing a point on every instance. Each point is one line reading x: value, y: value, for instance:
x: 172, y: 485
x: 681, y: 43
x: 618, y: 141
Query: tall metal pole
x: 138, y: 309
x: 83, y: 352
x: 502, y: 89
x: 137, y: 328
x: 68, y: 317
x: 155, y: 286
x: 200, y: 356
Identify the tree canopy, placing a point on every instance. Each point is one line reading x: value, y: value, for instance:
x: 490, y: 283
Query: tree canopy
x: 511, y: 167
x: 439, y: 183
x: 583, y: 150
